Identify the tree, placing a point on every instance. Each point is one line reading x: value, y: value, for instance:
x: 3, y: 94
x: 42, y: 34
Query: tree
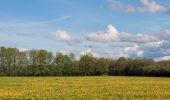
x: 3, y: 59
x: 11, y: 56
x: 42, y: 57
x: 22, y: 59
x: 71, y: 66
x: 60, y: 59
x: 117, y: 67
x: 87, y: 65
x: 102, y: 66
x: 42, y: 63
x: 33, y: 57
x: 49, y: 59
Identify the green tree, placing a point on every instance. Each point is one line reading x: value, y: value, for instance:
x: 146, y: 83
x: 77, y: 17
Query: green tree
x: 87, y: 65
x: 117, y: 67
x: 33, y: 57
x: 42, y: 57
x: 3, y: 59
x: 102, y: 66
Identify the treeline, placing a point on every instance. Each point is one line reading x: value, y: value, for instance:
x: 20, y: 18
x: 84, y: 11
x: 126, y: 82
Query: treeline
x: 43, y: 63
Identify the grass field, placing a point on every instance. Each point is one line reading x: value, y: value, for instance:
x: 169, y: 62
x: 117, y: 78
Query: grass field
x: 85, y: 88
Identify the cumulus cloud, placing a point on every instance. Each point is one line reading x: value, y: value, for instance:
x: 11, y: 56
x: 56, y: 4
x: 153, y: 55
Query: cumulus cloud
x: 139, y: 53
x: 23, y: 49
x: 125, y: 44
x: 69, y: 48
x: 134, y: 49
x: 88, y: 50
x: 111, y: 34
x: 148, y: 49
x: 96, y: 53
x: 165, y: 34
x: 127, y: 37
x: 164, y: 58
x: 61, y: 35
x: 122, y: 54
x: 148, y: 6
x: 154, y: 44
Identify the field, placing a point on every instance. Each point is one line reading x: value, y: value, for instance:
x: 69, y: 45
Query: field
x: 85, y: 88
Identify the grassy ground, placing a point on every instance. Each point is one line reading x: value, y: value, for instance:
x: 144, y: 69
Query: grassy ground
x: 85, y: 88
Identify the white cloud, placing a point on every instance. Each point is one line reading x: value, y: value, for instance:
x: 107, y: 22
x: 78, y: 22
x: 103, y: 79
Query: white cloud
x: 139, y: 53
x: 111, y: 34
x: 88, y: 50
x: 69, y: 48
x: 23, y: 49
x: 61, y: 35
x: 148, y: 6
x: 165, y: 34
x: 134, y: 49
x: 154, y: 44
x: 143, y: 46
x: 127, y: 37
x: 164, y: 58
x: 121, y: 54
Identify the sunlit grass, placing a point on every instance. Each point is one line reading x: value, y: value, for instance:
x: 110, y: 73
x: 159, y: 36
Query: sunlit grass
x: 85, y: 88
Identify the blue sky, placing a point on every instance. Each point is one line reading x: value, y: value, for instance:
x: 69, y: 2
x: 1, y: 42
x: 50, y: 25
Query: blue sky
x: 105, y: 28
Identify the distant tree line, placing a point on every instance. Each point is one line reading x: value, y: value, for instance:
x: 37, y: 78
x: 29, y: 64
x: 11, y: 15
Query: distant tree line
x: 43, y: 63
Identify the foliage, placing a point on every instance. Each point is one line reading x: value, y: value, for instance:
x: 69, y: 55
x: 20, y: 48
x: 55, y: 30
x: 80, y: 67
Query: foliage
x: 43, y: 63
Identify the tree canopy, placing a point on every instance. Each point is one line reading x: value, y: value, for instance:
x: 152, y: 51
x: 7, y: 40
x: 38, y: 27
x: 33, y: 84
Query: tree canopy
x: 44, y: 63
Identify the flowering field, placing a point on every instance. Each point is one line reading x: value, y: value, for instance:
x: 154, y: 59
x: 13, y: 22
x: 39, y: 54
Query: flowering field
x: 85, y: 88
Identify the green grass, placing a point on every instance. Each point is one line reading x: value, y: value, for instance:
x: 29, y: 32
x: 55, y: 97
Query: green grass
x: 85, y: 88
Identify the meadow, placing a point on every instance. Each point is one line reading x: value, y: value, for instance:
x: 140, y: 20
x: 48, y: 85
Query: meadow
x: 85, y: 88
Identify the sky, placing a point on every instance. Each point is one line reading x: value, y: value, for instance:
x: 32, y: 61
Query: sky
x: 105, y: 28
